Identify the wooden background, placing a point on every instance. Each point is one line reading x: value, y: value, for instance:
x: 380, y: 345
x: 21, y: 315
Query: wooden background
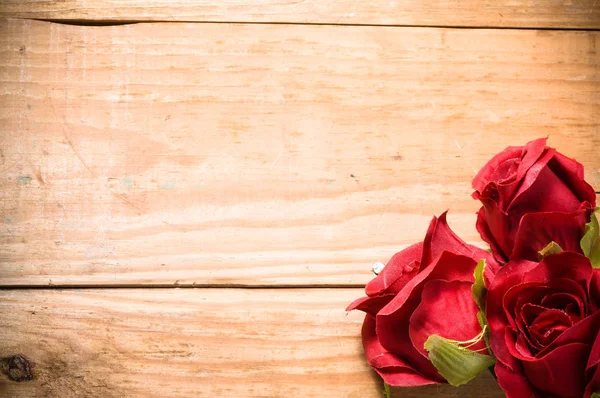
x: 193, y: 191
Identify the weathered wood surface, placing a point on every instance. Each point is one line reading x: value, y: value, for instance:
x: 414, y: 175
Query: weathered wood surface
x: 193, y: 342
x: 480, y: 13
x: 263, y: 154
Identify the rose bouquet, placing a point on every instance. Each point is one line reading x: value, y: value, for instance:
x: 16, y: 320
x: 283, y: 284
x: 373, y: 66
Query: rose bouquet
x: 528, y: 309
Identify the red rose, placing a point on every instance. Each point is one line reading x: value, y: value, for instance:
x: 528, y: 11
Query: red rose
x: 531, y: 179
x: 544, y: 324
x: 424, y: 290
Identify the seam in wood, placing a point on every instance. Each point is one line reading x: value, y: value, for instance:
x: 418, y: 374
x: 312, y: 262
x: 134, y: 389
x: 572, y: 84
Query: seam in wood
x: 102, y: 23
x: 179, y: 286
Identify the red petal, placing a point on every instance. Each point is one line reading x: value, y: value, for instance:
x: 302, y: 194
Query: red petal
x: 447, y: 309
x: 534, y: 293
x: 546, y: 194
x: 528, y: 155
x: 548, y: 326
x: 404, y: 377
x: 500, y: 228
x: 562, y: 265
x: 370, y: 305
x: 584, y: 331
x: 594, y: 358
x: 534, y: 172
x: 396, y: 339
x: 560, y: 373
x: 401, y: 268
x: 593, y: 368
x: 404, y: 265
x: 595, y: 290
x: 508, y: 276
x: 393, y: 319
x: 441, y: 238
x: 392, y: 368
x: 513, y: 383
x: 570, y: 172
x: 523, y: 346
x: 484, y: 231
x: 536, y: 230
x: 593, y: 384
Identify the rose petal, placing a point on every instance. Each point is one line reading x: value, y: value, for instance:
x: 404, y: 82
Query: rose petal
x: 499, y: 227
x: 486, y: 174
x: 584, y: 331
x: 548, y: 326
x: 390, y: 367
x: 397, y: 340
x: 595, y: 290
x: 529, y: 154
x: 536, y: 172
x: 529, y: 312
x: 536, y: 230
x: 561, y: 372
x: 525, y: 317
x: 513, y: 382
x: 593, y: 384
x: 565, y: 265
x: 447, y: 309
x: 524, y: 347
x: 510, y: 275
x: 376, y: 354
x: 571, y: 304
x: 519, y: 295
x: 441, y: 238
x: 570, y: 172
x: 483, y: 228
x: 393, y: 319
x: 403, y: 377
x: 448, y: 266
x: 594, y: 358
x: 534, y: 293
x: 371, y: 305
x: 401, y: 268
x: 593, y: 368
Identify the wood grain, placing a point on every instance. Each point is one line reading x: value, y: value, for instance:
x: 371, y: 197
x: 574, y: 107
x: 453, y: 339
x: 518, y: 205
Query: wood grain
x: 194, y: 342
x: 480, y: 13
x: 201, y: 154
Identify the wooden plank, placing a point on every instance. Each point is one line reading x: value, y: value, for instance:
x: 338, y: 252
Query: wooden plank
x: 194, y: 342
x: 263, y: 154
x: 479, y: 13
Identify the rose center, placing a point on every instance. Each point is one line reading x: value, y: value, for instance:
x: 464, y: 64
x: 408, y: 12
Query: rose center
x: 506, y: 171
x: 548, y: 326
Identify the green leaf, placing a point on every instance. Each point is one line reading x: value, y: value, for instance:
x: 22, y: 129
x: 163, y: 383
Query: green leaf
x: 479, y: 293
x: 595, y: 254
x: 595, y: 395
x: 550, y: 248
x: 590, y: 243
x: 478, y: 287
x: 457, y: 364
x: 386, y: 390
x: 590, y: 235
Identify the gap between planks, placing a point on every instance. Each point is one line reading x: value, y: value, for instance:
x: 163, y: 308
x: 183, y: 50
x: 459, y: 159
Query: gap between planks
x: 178, y: 286
x: 492, y: 13
x: 333, y: 24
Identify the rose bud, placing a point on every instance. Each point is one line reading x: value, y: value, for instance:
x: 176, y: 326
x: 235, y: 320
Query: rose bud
x: 519, y: 182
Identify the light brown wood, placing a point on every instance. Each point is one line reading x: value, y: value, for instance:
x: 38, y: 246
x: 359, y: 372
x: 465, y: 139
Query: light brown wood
x: 194, y: 342
x: 481, y: 13
x: 183, y: 154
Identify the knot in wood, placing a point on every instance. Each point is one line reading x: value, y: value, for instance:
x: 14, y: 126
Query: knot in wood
x: 19, y: 368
